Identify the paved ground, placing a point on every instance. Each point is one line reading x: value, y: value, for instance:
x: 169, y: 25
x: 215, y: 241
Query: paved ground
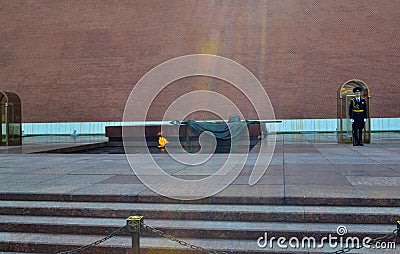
x: 304, y: 165
x: 34, y: 144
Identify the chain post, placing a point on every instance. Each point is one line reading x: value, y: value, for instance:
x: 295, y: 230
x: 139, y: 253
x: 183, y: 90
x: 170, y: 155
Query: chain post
x: 134, y: 224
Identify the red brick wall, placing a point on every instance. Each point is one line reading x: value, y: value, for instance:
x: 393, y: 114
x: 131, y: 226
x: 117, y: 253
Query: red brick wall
x: 74, y: 60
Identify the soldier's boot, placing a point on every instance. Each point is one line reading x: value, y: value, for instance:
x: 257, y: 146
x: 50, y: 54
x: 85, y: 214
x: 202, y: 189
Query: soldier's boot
x: 360, y: 138
x: 355, y: 139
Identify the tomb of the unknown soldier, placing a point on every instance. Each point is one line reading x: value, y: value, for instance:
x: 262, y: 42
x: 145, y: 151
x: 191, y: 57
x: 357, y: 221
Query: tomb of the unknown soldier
x: 220, y: 126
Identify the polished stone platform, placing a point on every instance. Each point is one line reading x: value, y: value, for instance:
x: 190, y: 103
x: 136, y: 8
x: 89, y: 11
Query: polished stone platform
x: 38, y: 144
x: 309, y: 165
x: 53, y: 202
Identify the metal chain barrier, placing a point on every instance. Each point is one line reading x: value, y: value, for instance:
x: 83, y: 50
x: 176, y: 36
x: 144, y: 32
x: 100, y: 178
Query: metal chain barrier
x: 134, y: 223
x: 181, y: 242
x: 389, y: 236
x: 82, y: 248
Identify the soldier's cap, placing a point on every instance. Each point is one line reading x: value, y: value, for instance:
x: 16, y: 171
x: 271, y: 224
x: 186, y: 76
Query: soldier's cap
x: 357, y: 89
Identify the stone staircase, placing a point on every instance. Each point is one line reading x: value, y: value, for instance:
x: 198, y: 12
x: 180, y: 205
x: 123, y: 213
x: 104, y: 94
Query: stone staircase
x: 33, y: 223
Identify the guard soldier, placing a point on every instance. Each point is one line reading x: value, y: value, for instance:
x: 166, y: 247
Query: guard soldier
x: 358, y: 116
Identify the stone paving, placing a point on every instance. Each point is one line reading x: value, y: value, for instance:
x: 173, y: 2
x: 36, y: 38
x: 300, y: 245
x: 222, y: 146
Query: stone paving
x: 304, y: 165
x: 34, y: 144
x: 312, y: 186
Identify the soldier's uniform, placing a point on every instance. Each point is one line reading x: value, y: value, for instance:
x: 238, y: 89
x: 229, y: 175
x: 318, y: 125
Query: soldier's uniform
x: 358, y: 114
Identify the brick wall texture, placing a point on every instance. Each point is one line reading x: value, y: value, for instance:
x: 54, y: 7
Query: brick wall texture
x: 73, y: 60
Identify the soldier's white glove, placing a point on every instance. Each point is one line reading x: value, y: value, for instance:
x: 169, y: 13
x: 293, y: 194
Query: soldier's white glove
x: 352, y: 120
x: 365, y: 120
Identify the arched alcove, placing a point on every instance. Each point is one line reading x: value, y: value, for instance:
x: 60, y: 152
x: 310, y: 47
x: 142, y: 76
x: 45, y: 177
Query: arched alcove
x: 10, y: 110
x: 345, y: 94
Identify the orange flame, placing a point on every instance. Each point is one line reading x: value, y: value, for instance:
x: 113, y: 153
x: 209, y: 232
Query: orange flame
x: 161, y: 140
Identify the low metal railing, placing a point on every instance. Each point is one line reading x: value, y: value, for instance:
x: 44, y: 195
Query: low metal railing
x: 135, y: 225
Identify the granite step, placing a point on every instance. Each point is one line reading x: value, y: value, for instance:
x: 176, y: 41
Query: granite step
x: 51, y: 227
x: 242, y: 230
x: 216, y: 212
x: 153, y: 198
x: 53, y: 243
x: 12, y: 252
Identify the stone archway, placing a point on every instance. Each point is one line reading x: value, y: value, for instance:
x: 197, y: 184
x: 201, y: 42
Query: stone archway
x: 345, y: 94
x: 10, y: 111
